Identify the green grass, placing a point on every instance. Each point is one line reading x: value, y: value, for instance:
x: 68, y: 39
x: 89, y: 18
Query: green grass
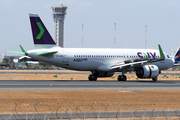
x: 55, y: 76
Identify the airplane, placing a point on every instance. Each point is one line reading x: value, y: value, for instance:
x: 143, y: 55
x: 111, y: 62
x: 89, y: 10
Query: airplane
x: 147, y: 63
x: 176, y: 57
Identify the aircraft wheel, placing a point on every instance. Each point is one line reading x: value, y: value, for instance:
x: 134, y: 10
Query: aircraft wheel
x: 154, y: 79
x: 92, y: 78
x: 119, y: 78
x: 122, y: 78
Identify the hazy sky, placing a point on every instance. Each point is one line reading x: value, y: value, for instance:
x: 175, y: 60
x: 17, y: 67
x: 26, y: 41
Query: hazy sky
x: 162, y: 18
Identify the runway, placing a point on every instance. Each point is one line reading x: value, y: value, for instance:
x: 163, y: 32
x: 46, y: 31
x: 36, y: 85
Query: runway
x: 41, y: 85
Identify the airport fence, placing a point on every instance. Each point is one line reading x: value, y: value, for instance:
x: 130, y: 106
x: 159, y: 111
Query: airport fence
x: 96, y: 110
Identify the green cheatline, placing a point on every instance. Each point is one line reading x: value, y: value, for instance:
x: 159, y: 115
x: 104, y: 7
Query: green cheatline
x: 41, y: 30
x: 160, y: 51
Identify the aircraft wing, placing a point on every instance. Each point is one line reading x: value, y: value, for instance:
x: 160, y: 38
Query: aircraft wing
x: 138, y: 62
x: 126, y: 65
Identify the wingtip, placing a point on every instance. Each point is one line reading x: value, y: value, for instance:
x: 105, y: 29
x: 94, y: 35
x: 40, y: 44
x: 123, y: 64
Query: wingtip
x: 161, y: 51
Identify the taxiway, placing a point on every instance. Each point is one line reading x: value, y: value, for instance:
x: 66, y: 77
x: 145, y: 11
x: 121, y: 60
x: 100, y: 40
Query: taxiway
x: 41, y: 85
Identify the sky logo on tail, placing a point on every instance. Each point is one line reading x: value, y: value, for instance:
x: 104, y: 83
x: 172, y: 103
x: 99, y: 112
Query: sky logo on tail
x: 148, y: 54
x: 41, y: 30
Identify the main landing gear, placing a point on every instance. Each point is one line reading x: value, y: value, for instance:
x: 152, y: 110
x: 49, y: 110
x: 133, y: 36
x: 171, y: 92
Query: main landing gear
x: 122, y: 78
x: 154, y: 79
x: 92, y: 78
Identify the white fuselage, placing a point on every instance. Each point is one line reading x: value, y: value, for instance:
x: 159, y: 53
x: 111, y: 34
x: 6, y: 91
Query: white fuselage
x: 90, y: 59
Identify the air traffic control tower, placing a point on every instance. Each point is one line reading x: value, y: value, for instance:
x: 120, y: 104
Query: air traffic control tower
x: 59, y: 13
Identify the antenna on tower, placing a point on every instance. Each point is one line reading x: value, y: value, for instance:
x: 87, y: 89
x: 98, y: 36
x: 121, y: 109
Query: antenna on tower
x: 114, y: 34
x: 145, y: 36
x: 82, y: 34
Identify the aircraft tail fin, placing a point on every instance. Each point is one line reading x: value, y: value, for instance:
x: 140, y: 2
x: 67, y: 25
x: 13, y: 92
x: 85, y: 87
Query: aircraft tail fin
x: 41, y: 36
x: 177, y: 56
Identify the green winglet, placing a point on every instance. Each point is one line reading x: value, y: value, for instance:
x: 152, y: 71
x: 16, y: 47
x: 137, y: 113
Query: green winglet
x: 161, y: 52
x: 22, y: 49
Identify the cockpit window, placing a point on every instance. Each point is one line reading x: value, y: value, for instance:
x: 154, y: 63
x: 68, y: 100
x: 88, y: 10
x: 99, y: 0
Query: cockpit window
x: 168, y: 56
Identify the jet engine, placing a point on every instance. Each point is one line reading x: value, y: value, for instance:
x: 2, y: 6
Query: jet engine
x: 103, y: 74
x: 147, y: 71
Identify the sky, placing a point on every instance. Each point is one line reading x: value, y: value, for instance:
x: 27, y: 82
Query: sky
x: 162, y: 18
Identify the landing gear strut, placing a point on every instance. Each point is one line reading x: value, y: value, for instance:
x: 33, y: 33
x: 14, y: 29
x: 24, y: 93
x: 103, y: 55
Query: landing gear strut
x: 122, y: 78
x: 92, y: 78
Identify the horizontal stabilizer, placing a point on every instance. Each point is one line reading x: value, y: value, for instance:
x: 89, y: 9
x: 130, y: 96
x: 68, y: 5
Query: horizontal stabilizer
x: 23, y: 51
x: 47, y: 53
x: 16, y: 52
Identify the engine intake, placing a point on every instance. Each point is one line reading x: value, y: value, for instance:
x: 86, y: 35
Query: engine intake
x: 147, y: 71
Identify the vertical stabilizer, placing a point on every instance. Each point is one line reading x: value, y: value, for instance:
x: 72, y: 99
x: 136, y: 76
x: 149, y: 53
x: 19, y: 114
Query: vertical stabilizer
x: 177, y: 56
x: 41, y: 37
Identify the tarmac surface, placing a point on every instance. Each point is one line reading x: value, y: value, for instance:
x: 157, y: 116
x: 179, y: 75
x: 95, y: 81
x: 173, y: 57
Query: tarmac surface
x: 41, y: 85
